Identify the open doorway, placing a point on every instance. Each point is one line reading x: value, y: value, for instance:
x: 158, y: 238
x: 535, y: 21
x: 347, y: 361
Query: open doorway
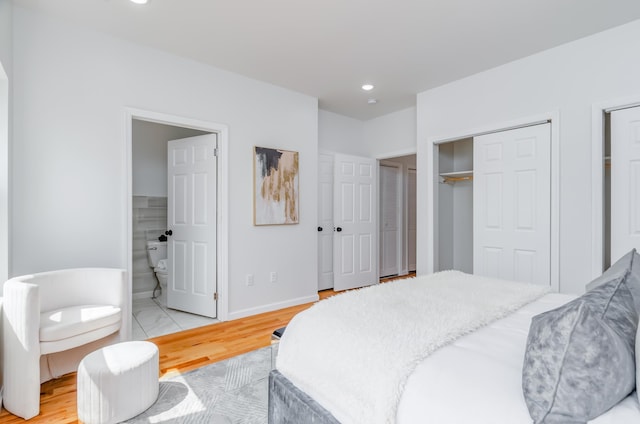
x: 397, y: 216
x: 152, y: 316
x: 615, y: 190
x: 147, y: 200
x: 621, y: 194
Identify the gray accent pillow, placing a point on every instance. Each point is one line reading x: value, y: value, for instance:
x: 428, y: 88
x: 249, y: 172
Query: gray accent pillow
x: 580, y: 358
x: 628, y: 265
x: 638, y: 362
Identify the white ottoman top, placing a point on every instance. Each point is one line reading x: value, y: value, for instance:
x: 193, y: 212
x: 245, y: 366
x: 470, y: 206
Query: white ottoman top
x: 118, y: 358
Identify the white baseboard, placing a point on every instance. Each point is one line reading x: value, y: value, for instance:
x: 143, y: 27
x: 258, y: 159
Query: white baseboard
x: 272, y: 307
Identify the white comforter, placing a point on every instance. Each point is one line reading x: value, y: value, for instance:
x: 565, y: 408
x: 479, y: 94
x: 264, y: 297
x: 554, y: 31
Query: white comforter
x: 478, y: 378
x: 353, y: 353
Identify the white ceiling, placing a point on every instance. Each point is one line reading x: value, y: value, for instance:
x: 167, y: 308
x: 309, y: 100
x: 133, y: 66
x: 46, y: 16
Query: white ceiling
x: 329, y: 48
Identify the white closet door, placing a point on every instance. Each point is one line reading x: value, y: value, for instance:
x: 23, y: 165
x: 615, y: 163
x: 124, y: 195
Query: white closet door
x: 325, y: 222
x: 512, y: 204
x: 355, y: 220
x: 625, y: 181
x: 390, y: 224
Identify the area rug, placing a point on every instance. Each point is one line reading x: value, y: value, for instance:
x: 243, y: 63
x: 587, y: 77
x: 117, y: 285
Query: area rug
x: 234, y: 391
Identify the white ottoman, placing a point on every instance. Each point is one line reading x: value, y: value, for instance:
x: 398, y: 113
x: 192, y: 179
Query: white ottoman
x: 117, y: 382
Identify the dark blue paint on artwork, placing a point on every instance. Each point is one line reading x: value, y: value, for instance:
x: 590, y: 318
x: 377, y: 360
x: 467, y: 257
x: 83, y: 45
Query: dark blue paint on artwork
x: 269, y: 159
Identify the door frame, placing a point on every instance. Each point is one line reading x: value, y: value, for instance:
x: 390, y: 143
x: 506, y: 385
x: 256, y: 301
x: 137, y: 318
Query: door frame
x: 426, y: 252
x: 222, y: 177
x: 407, y: 171
x: 5, y: 165
x: 598, y: 111
x: 390, y: 157
x: 400, y: 218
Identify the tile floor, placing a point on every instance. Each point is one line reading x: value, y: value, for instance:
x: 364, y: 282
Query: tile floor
x: 152, y: 318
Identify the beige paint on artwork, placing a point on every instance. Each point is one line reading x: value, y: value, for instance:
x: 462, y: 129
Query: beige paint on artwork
x: 278, y: 170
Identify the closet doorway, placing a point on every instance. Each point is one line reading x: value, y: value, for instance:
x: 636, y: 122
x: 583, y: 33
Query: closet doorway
x: 493, y: 196
x: 621, y: 181
x: 397, y: 211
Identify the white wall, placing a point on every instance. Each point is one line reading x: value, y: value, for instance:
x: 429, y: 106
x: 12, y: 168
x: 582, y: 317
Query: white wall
x: 6, y: 68
x: 6, y: 36
x: 384, y: 137
x: 4, y: 176
x: 568, y: 79
x: 340, y: 134
x: 391, y: 135
x: 149, y: 158
x: 71, y: 89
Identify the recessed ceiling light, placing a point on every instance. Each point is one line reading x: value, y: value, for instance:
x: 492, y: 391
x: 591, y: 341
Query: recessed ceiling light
x: 367, y: 87
x: 139, y: 1
x: 372, y: 101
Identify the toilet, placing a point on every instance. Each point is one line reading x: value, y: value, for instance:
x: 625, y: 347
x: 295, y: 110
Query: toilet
x: 157, y: 258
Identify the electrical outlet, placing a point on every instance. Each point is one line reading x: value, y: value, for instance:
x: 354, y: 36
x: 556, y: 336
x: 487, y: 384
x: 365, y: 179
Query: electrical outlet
x: 249, y: 279
x: 273, y: 277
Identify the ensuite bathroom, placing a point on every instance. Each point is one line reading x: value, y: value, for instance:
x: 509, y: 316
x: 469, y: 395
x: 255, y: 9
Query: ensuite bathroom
x: 152, y: 317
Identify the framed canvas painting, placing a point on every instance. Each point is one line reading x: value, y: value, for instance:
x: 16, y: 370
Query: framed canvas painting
x: 275, y: 186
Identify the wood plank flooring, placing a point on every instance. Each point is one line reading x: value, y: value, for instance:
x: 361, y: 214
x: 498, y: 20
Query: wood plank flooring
x: 179, y: 353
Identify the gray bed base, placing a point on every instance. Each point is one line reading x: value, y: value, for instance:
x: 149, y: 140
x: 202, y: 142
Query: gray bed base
x: 290, y: 405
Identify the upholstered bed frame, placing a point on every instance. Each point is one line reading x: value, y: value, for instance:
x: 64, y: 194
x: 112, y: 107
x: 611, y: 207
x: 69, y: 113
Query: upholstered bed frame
x: 520, y: 330
x: 290, y: 405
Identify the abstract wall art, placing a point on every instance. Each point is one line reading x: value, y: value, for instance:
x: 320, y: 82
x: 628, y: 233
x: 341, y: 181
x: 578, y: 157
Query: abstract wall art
x: 275, y: 186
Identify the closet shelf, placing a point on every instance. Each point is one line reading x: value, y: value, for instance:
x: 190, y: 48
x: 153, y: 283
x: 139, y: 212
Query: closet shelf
x: 453, y: 177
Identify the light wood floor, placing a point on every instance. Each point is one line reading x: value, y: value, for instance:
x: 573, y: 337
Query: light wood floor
x: 179, y: 352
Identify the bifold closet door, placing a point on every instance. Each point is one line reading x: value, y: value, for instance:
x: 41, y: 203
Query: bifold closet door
x: 625, y: 181
x: 512, y: 204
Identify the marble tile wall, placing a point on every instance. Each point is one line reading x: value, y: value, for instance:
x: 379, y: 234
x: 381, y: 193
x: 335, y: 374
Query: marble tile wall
x: 149, y: 222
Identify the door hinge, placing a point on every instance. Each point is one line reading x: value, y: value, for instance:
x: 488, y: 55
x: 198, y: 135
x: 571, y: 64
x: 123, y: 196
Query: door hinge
x: 215, y: 296
x: 215, y: 152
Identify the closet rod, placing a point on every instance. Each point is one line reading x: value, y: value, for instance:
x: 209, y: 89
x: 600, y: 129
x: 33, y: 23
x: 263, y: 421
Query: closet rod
x: 451, y: 180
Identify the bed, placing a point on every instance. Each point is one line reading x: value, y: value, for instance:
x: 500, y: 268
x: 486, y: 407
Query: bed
x: 457, y: 348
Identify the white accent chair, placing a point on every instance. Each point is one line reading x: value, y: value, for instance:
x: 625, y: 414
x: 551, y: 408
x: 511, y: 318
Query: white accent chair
x: 51, y: 320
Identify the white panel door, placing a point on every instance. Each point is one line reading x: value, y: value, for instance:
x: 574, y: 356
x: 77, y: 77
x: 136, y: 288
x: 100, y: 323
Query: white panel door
x: 192, y: 171
x: 390, y: 197
x: 625, y: 181
x: 355, y: 207
x: 512, y: 204
x: 325, y: 222
x: 411, y: 219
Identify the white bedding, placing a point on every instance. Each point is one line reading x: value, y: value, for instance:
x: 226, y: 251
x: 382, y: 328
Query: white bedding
x: 354, y: 352
x: 478, y: 378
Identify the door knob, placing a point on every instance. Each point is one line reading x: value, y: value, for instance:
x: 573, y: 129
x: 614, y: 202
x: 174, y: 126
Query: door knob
x: 169, y: 232
x: 339, y: 229
x: 319, y: 228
